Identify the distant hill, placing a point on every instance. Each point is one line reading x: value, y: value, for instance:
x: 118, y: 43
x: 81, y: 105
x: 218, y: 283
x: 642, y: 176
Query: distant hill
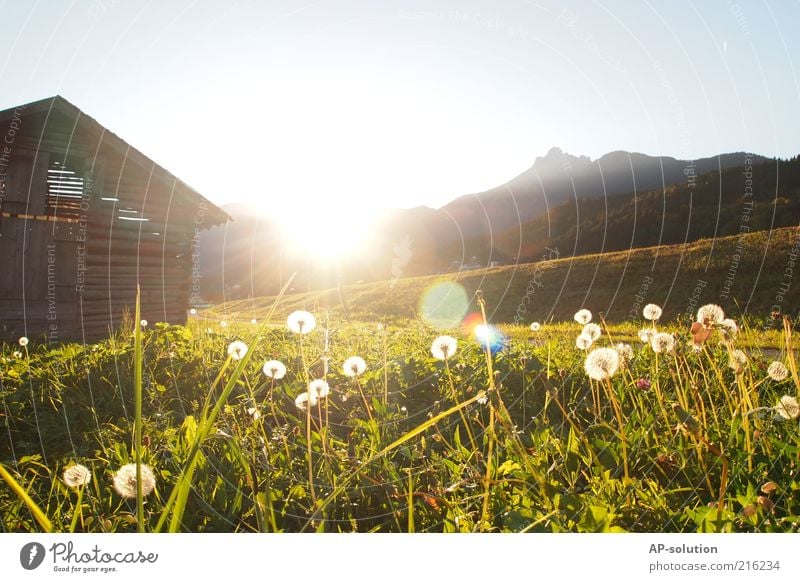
x: 741, y: 273
x: 563, y: 202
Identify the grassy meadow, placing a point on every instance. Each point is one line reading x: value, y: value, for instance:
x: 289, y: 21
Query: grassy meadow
x: 507, y: 430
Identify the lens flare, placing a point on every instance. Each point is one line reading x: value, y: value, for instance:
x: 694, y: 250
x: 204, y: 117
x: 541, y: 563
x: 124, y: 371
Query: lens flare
x: 489, y: 337
x: 444, y: 305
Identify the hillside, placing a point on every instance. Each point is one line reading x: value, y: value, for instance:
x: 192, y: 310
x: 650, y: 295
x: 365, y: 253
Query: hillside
x: 572, y: 203
x: 744, y: 273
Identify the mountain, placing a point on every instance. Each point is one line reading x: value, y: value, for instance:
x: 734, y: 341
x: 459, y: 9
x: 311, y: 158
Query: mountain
x: 563, y: 202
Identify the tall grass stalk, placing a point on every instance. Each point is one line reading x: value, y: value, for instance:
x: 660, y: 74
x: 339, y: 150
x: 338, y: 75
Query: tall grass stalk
x: 37, y: 512
x: 137, y: 420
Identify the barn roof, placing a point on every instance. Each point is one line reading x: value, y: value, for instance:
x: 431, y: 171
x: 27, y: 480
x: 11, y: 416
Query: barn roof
x: 215, y: 214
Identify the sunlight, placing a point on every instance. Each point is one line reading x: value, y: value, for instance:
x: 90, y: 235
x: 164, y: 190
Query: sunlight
x: 328, y: 231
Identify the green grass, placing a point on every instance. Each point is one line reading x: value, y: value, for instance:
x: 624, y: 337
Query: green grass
x: 515, y: 440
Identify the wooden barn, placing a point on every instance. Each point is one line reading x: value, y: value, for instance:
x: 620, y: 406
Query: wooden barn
x: 84, y: 218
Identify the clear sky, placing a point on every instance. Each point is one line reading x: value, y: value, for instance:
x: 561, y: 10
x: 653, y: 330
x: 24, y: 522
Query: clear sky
x: 402, y: 103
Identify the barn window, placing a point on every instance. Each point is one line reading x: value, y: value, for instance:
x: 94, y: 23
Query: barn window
x: 65, y: 189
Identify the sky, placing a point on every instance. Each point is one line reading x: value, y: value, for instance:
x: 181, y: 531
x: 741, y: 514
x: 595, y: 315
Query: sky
x: 364, y: 104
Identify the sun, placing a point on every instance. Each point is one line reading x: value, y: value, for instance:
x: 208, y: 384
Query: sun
x: 327, y: 231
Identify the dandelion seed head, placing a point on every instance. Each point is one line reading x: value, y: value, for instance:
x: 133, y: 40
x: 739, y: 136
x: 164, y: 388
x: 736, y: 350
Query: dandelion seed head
x: 777, y: 371
x: 583, y: 342
x: 625, y: 352
x: 729, y: 327
x: 223, y: 323
x: 652, y: 312
x: 192, y: 311
x: 646, y: 334
x: 274, y: 369
x: 737, y: 361
x: 318, y: 389
x: 601, y: 363
x: 301, y: 322
x: 237, y: 350
x: 143, y: 323
x: 592, y: 330
x: 354, y: 366
x: 76, y: 476
x: 662, y: 342
x: 788, y: 407
x: 125, y: 481
x: 443, y: 347
x: 23, y: 341
x: 303, y: 400
x: 254, y: 321
x: 710, y: 314
x: 536, y: 326
x: 583, y: 316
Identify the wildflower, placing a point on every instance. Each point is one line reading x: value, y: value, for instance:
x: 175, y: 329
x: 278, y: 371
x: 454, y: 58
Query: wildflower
x: 583, y: 316
x: 143, y: 323
x: 77, y: 476
x: 788, y: 407
x: 592, y: 330
x: 23, y: 341
x: 536, y: 326
x: 652, y: 312
x: 729, y: 327
x: 777, y: 371
x: 601, y: 363
x: 237, y: 350
x: 737, y: 361
x: 583, y: 342
x: 444, y: 347
x: 253, y: 411
x: 318, y: 389
x: 223, y: 323
x: 643, y: 384
x: 274, y: 369
x: 304, y: 399
x: 125, y: 481
x: 354, y: 366
x: 646, y: 334
x: 625, y: 352
x: 662, y: 342
x: 17, y: 354
x: 301, y: 322
x: 482, y: 398
x: 710, y: 314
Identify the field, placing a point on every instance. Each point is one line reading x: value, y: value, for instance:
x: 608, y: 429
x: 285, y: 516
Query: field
x: 506, y: 432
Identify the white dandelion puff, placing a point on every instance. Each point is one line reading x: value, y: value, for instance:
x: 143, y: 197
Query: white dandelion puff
x: 76, y: 476
x: 583, y: 316
x: 536, y: 326
x: 237, y: 349
x: 23, y: 341
x: 301, y: 322
x: 274, y: 369
x: 223, y: 323
x: 625, y: 352
x: 192, y: 311
x: 652, y: 312
x: 788, y: 407
x: 646, y: 334
x: 729, y: 327
x: 662, y: 342
x: 737, y: 361
x: 777, y: 371
x: 592, y: 330
x: 583, y: 342
x: 601, y: 363
x: 143, y: 323
x: 443, y: 347
x: 318, y: 389
x: 710, y: 314
x: 254, y: 321
x: 125, y: 481
x: 354, y: 366
x: 304, y: 399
